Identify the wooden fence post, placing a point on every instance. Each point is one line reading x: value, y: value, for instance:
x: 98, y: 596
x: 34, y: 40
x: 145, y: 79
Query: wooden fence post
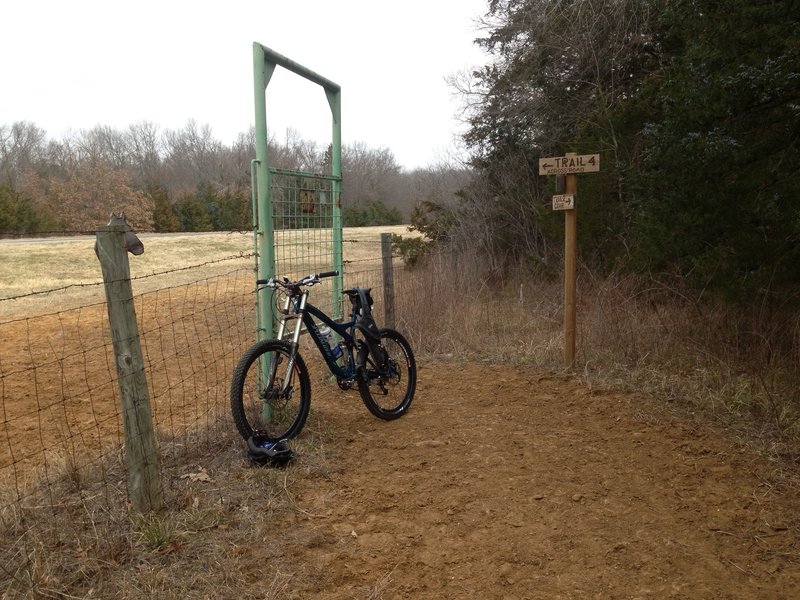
x: 388, y: 279
x: 144, y: 486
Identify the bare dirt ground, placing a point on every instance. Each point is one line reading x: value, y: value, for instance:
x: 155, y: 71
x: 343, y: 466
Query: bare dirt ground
x: 501, y: 482
x: 508, y: 483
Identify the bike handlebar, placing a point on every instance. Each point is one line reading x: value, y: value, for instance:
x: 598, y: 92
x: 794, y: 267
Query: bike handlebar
x: 308, y: 280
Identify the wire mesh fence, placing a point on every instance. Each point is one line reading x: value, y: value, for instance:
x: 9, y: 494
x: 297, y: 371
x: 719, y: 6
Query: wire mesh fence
x: 61, y: 435
x: 58, y: 390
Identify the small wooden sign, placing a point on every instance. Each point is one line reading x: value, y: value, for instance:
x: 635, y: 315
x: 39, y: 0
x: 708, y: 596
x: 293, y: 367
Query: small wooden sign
x: 563, y: 201
x: 562, y: 165
x: 307, y: 204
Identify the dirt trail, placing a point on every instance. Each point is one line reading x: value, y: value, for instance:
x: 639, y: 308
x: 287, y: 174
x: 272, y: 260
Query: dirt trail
x: 513, y: 484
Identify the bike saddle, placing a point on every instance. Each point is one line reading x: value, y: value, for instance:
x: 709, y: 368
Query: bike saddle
x: 360, y: 297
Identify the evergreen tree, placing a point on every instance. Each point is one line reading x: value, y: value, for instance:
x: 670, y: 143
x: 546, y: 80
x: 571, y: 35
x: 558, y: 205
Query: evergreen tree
x: 693, y: 107
x: 164, y: 217
x: 720, y: 139
x: 236, y: 211
x: 192, y: 214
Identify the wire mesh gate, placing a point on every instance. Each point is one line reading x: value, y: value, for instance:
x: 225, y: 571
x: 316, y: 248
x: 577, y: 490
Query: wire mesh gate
x: 296, y: 215
x: 303, y: 219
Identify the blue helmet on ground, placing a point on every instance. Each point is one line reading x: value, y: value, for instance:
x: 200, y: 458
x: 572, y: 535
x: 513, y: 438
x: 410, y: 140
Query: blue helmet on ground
x: 263, y: 450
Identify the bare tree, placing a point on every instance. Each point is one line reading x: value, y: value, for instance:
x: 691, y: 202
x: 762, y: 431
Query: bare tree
x: 370, y: 175
x: 295, y: 153
x: 22, y: 149
x: 236, y: 160
x: 62, y: 158
x: 103, y: 144
x: 82, y: 174
x: 438, y: 184
x: 146, y: 148
x: 192, y: 158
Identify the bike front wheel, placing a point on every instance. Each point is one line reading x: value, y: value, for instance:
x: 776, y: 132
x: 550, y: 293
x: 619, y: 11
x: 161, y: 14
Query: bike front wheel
x: 270, y: 392
x: 388, y: 392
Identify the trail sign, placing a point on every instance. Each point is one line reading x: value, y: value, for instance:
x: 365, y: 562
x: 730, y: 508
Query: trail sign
x: 562, y: 165
x: 563, y: 201
x: 567, y: 167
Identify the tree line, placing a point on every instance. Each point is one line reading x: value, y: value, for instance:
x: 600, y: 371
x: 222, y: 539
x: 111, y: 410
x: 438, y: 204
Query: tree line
x: 183, y: 180
x: 698, y: 138
x: 693, y: 107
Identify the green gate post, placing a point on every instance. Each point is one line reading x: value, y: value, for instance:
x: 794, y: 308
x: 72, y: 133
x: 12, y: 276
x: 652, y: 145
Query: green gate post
x: 335, y: 102
x: 264, y: 62
x: 265, y: 259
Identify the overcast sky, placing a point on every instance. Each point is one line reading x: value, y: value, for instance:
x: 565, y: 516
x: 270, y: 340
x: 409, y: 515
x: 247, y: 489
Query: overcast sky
x: 72, y: 65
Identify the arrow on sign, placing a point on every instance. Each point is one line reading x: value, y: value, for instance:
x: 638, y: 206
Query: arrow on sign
x: 563, y: 201
x: 563, y: 165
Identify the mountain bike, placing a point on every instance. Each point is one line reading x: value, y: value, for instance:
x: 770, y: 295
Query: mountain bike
x: 271, y: 389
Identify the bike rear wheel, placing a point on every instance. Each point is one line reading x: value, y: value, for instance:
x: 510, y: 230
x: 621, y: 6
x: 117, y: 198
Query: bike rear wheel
x: 268, y: 398
x: 388, y: 392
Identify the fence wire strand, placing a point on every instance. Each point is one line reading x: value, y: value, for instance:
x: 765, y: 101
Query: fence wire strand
x: 59, y: 398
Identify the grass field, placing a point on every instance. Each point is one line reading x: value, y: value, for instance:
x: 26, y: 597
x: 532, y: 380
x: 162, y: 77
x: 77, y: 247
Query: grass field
x: 29, y: 268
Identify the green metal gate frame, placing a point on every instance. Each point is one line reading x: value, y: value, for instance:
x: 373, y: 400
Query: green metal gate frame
x: 264, y: 62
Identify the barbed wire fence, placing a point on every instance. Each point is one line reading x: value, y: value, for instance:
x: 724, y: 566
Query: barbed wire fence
x: 61, y: 434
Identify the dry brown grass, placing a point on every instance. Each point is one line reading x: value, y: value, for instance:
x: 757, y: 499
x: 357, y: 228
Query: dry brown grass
x: 214, y: 540
x: 220, y: 540
x: 742, y: 371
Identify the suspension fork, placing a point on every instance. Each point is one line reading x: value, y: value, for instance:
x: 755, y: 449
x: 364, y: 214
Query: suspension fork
x: 294, y: 308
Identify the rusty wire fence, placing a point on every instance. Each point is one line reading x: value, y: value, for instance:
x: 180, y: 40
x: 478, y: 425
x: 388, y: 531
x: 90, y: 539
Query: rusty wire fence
x: 60, y: 421
x: 61, y: 434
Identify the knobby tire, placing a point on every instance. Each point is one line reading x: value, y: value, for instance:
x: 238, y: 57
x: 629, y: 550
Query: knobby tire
x: 389, y: 395
x: 254, y: 411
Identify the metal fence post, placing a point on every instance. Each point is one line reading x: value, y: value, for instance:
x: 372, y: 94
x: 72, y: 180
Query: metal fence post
x: 144, y: 486
x: 388, y: 279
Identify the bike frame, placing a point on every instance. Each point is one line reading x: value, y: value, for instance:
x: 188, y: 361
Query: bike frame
x: 303, y: 312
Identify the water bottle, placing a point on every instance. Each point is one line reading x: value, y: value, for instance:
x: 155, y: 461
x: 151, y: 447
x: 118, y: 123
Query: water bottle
x: 327, y: 335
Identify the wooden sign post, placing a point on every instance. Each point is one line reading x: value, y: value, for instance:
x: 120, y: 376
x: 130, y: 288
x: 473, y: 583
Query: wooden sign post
x: 570, y: 165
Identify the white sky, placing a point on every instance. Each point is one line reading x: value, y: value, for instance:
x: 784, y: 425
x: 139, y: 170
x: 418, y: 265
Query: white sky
x: 72, y: 65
